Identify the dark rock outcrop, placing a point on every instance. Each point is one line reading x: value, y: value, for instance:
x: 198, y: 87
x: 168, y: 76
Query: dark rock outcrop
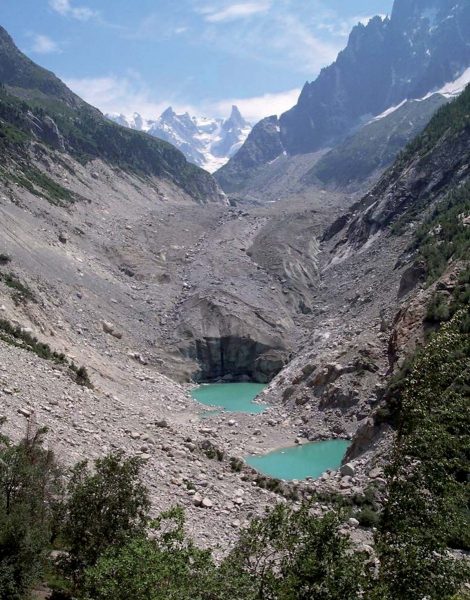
x: 236, y: 359
x: 262, y: 146
x: 231, y: 340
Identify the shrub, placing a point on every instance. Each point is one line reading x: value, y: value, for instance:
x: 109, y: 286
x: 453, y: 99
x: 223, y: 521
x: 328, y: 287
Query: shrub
x: 105, y: 508
x: 368, y: 517
x: 166, y: 567
x: 21, y: 292
x: 292, y: 554
x: 30, y: 500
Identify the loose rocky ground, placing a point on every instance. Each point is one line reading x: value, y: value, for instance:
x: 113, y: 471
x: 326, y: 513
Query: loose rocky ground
x: 147, y: 289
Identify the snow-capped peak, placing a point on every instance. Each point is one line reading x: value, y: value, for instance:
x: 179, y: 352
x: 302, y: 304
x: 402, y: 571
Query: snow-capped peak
x: 206, y: 142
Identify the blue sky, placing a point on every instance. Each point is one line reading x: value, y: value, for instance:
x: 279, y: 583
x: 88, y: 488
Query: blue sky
x: 197, y: 55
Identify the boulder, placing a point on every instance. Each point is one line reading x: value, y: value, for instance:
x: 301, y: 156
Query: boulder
x: 206, y: 503
x: 348, y: 470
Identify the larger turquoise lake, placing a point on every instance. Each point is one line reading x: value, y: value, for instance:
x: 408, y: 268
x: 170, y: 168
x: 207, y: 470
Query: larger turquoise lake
x: 300, y: 462
x: 234, y: 397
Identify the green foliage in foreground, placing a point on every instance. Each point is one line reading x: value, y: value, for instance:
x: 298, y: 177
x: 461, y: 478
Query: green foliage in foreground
x: 30, y: 484
x: 286, y: 555
x: 428, y: 508
x: 113, y: 551
x: 104, y: 509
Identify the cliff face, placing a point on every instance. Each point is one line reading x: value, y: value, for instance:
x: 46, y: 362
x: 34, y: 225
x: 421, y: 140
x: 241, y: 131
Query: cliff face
x: 421, y: 47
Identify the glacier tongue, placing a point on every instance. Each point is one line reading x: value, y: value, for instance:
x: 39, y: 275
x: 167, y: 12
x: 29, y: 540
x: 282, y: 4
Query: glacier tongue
x: 208, y: 143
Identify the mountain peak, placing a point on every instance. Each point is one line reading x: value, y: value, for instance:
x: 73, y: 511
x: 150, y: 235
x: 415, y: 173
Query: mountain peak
x: 169, y: 113
x: 235, y: 121
x: 424, y: 45
x: 206, y: 142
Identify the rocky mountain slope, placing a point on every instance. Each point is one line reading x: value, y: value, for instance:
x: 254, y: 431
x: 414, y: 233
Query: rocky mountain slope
x: 420, y: 48
x: 381, y: 268
x: 208, y: 143
x: 36, y: 106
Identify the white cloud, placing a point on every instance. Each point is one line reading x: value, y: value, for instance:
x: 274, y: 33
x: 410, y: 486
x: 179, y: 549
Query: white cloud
x: 232, y: 12
x: 281, y: 39
x: 256, y: 108
x: 65, y: 8
x: 343, y: 27
x: 301, y: 47
x: 42, y: 44
x: 124, y: 95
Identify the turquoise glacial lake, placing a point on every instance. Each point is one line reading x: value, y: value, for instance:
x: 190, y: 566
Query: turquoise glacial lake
x: 300, y: 462
x: 233, y: 397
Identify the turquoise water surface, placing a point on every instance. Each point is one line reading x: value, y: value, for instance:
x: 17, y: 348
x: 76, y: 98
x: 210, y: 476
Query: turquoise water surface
x: 300, y: 462
x: 234, y: 397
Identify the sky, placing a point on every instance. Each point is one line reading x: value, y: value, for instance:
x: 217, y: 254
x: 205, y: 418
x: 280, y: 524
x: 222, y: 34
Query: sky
x: 199, y: 56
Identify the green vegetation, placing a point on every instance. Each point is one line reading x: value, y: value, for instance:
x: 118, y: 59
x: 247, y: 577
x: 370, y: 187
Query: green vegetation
x: 445, y: 235
x: 105, y: 508
x: 98, y: 520
x: 87, y: 135
x: 427, y: 510
x: 449, y: 121
x: 21, y: 292
x: 444, y: 305
x: 30, y: 484
x: 16, y: 336
x: 141, y: 569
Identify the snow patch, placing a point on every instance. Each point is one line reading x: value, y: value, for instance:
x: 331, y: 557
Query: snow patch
x: 448, y: 90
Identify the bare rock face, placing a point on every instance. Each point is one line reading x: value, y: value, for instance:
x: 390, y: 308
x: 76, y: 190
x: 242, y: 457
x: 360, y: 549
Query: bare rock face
x: 233, y: 343
x: 236, y: 359
x: 409, y: 328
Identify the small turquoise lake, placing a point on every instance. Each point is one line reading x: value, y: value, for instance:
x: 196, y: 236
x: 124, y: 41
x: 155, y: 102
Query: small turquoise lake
x: 233, y: 397
x: 300, y: 462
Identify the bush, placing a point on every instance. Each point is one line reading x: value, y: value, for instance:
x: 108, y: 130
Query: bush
x: 428, y: 496
x: 30, y: 501
x: 291, y: 554
x: 166, y: 567
x: 21, y: 292
x: 368, y: 517
x: 105, y: 508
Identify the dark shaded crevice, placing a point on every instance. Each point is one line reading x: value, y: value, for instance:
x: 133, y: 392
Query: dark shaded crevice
x: 235, y: 359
